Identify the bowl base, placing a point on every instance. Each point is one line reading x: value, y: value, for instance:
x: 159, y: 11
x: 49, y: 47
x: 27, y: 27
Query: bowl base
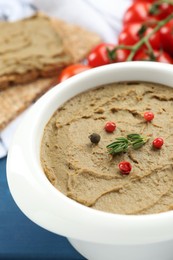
x: 94, y: 251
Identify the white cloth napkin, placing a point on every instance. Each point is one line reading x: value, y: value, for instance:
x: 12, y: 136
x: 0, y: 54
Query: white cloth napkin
x: 100, y: 16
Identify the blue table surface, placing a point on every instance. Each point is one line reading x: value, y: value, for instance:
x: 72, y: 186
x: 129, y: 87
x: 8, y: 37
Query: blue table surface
x: 20, y: 238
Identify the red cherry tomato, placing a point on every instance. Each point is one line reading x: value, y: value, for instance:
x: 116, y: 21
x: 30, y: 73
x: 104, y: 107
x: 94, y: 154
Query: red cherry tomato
x: 130, y: 35
x: 141, y: 55
x: 154, y: 39
x: 99, y: 55
x: 72, y: 70
x: 137, y: 12
x: 141, y: 11
x: 164, y: 10
x: 166, y: 36
x: 160, y: 56
x: 121, y: 55
x: 164, y: 57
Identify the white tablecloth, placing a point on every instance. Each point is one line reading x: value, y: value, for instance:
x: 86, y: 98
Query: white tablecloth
x: 101, y: 16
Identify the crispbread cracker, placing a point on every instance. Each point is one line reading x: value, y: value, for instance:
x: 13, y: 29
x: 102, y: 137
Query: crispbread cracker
x: 73, y: 44
x: 16, y: 99
x: 76, y: 44
x: 77, y: 41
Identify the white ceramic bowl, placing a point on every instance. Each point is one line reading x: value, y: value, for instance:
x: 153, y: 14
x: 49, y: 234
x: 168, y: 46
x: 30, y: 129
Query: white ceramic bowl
x: 95, y: 234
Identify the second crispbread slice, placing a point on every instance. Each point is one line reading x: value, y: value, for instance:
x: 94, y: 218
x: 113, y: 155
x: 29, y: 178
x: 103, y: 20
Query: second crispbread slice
x: 16, y: 99
x: 77, y: 41
x: 40, y: 46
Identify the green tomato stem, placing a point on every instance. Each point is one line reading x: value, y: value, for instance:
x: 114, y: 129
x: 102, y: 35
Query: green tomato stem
x: 145, y: 40
x: 150, y: 50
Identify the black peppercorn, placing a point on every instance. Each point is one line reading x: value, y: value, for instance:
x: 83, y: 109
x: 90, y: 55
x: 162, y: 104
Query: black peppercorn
x: 94, y: 138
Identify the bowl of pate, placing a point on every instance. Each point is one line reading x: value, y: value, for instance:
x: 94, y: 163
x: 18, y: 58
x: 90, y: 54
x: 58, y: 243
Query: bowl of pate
x: 74, y: 188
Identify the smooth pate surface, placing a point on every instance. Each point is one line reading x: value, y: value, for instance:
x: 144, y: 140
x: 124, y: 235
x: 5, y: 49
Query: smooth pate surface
x: 87, y: 174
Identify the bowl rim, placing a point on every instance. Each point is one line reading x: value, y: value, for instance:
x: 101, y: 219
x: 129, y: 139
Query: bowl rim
x: 51, y: 209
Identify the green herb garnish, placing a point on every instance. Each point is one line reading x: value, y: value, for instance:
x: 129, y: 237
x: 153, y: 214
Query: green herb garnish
x: 122, y: 144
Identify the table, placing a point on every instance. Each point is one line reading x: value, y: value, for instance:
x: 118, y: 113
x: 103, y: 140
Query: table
x: 20, y: 238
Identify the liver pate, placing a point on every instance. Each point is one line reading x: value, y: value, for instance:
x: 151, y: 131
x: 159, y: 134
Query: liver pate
x: 87, y: 174
x: 36, y: 46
